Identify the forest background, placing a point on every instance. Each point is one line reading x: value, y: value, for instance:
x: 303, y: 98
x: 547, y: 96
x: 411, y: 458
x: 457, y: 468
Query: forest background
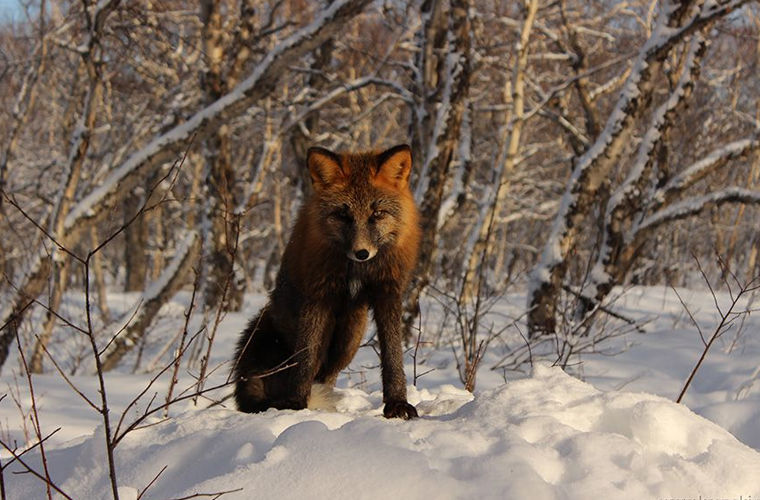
x: 561, y: 148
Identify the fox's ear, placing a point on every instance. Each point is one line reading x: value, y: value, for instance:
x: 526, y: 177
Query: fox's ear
x: 324, y: 167
x: 395, y: 164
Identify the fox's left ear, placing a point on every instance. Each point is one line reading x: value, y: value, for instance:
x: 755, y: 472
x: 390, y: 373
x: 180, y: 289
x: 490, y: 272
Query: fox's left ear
x: 324, y: 167
x: 395, y: 164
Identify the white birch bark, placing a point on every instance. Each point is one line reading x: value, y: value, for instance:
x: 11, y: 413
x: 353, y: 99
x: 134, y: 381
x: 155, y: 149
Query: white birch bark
x: 590, y: 171
x: 168, y: 147
x: 127, y: 331
x: 507, y: 160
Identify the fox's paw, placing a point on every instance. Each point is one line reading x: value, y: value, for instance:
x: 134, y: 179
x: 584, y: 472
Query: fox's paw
x: 289, y: 404
x: 399, y: 409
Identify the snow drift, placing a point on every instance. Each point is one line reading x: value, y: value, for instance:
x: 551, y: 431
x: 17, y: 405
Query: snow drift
x: 544, y: 437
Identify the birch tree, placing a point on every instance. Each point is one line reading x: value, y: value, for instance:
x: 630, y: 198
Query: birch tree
x: 675, y: 22
x: 443, y: 73
x: 166, y: 147
x: 508, y: 157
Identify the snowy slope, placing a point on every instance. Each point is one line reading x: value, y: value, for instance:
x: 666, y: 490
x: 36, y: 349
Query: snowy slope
x: 544, y: 435
x: 726, y: 388
x: 547, y: 436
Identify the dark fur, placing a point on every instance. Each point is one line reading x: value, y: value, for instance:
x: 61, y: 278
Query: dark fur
x: 316, y: 316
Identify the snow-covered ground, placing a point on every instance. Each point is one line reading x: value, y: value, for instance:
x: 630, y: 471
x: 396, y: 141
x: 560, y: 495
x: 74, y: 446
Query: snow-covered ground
x: 543, y: 434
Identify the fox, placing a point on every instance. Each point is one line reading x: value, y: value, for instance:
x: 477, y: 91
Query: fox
x: 353, y: 249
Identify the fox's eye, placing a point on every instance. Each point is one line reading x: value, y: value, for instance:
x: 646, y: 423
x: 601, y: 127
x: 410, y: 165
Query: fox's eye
x: 341, y: 214
x: 378, y: 214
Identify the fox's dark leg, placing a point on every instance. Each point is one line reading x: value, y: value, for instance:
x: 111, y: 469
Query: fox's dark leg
x: 313, y: 324
x: 346, y: 338
x: 387, y: 310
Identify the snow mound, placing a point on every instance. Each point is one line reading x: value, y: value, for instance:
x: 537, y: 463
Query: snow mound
x: 544, y: 437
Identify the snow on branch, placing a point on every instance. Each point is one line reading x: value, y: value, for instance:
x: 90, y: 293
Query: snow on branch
x: 592, y: 168
x: 626, y: 202
x: 660, y: 120
x: 343, y: 89
x: 260, y: 82
x: 132, y: 326
x: 607, y: 147
x: 710, y: 11
x: 710, y: 163
x: 694, y: 205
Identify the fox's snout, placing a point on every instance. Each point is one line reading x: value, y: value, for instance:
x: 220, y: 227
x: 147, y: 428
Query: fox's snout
x: 361, y: 245
x: 360, y: 254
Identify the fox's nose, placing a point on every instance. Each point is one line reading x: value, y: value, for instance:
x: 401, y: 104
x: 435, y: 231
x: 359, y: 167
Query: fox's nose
x: 362, y: 254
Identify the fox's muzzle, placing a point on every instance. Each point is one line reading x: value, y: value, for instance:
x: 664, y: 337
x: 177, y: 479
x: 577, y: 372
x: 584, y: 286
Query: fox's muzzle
x: 361, y: 254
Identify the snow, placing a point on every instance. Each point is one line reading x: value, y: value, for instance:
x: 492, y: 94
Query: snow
x: 696, y: 204
x: 179, y: 134
x: 707, y: 164
x: 544, y: 435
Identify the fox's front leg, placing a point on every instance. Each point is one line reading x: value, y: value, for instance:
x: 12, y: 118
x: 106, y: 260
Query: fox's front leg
x: 387, y: 309
x: 309, y: 343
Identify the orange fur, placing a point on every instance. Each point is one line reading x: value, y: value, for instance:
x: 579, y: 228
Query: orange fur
x: 353, y: 248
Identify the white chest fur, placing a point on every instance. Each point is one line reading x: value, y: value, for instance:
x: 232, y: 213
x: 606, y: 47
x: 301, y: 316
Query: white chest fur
x: 354, y: 287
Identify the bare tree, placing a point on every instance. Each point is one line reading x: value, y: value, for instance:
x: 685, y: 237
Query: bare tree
x: 553, y: 136
x: 591, y: 170
x: 444, y: 70
x: 166, y: 146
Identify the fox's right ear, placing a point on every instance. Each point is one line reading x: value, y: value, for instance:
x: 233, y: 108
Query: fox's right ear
x: 395, y: 165
x: 324, y: 167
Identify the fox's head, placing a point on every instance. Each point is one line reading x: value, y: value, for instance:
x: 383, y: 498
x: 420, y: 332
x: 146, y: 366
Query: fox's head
x: 362, y: 200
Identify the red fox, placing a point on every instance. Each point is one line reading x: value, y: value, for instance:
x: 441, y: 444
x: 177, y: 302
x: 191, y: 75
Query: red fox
x: 353, y: 248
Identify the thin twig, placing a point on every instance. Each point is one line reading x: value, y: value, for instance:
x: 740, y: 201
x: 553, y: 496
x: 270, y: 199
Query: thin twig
x: 150, y: 384
x: 30, y: 469
x: 155, y: 478
x: 212, y: 495
x: 691, y: 316
x: 183, y: 338
x: 34, y: 446
x: 67, y: 379
x: 35, y: 416
x: 726, y: 319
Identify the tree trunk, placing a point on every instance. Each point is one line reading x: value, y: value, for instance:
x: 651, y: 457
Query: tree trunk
x: 136, y: 247
x: 100, y: 279
x: 441, y: 145
x: 220, y: 226
x: 170, y: 146
x: 507, y: 161
x: 130, y: 329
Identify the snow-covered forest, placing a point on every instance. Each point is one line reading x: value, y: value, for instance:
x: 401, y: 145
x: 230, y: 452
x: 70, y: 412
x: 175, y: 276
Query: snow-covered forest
x: 588, y: 178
